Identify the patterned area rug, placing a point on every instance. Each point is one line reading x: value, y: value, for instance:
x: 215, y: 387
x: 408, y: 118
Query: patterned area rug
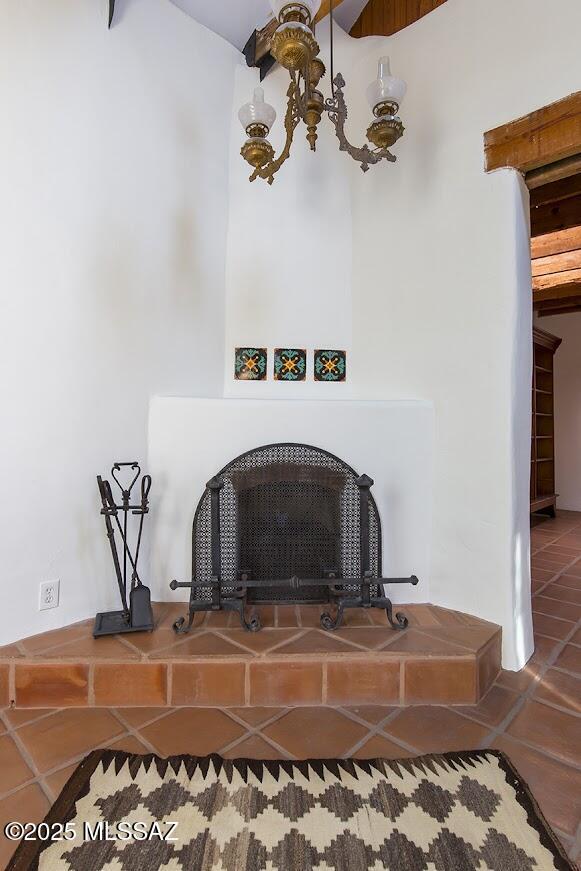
x: 457, y: 811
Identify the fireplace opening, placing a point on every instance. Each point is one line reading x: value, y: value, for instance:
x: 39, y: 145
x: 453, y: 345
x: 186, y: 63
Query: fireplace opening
x: 287, y: 523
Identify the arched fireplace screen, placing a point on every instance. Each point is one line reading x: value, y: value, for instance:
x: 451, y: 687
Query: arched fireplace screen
x: 287, y: 523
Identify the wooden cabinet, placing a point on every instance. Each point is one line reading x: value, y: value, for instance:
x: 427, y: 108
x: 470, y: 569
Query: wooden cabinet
x: 543, y: 496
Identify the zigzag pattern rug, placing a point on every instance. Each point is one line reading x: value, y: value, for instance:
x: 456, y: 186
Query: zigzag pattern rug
x: 457, y: 811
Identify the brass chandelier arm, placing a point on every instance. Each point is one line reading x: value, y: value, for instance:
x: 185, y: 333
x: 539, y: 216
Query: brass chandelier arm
x: 291, y: 121
x: 337, y: 111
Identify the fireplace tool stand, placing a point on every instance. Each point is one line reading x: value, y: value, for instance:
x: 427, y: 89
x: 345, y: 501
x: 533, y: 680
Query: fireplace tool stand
x: 364, y: 592
x: 136, y: 614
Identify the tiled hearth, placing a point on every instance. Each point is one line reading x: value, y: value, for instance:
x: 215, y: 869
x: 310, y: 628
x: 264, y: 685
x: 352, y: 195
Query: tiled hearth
x: 533, y: 716
x: 442, y: 658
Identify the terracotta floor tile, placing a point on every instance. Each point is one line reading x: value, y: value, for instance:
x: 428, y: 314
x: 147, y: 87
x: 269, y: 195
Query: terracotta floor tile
x: 130, y: 744
x: 66, y: 734
x: 166, y: 613
x: 28, y: 805
x: 574, y: 570
x: 555, y: 608
x: 573, y: 581
x: 266, y: 614
x: 4, y: 685
x: 550, y: 626
x: 311, y: 733
x: 19, y: 716
x: 560, y: 689
x: 576, y: 638
x: 286, y: 616
x: 255, y: 716
x: 310, y: 615
x: 286, y: 683
x: 570, y: 659
x: 137, y: 683
x: 549, y: 729
x: 315, y: 641
x: 197, y: 731
x: 556, y: 787
x: 205, y: 644
x: 107, y: 647
x: 541, y: 575
x: 412, y: 641
x: 253, y: 747
x: 564, y: 594
x: 372, y: 714
x: 138, y: 716
x: 440, y: 682
x: 371, y: 637
x: 544, y: 647
x: 56, y: 684
x: 378, y: 747
x: 519, y: 681
x: 56, y: 781
x: 10, y: 651
x: 220, y: 619
x: 435, y: 730
x: 44, y: 640
x: 15, y: 770
x: 493, y: 708
x: 260, y: 642
x: 363, y: 681
x: 470, y: 638
x: 354, y: 618
x: 208, y: 682
x: 149, y: 642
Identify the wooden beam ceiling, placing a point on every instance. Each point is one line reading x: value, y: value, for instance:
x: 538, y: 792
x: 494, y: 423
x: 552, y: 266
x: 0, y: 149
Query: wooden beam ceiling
x: 384, y: 17
x: 544, y: 136
x: 556, y: 256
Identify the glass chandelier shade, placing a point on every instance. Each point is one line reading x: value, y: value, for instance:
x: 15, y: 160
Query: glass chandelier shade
x: 257, y: 112
x: 312, y: 6
x: 385, y: 88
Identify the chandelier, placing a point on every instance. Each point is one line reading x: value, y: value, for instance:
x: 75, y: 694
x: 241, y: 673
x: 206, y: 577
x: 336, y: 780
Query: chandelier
x: 294, y: 47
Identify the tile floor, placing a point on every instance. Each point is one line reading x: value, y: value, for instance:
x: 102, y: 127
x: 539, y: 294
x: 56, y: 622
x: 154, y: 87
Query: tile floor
x: 534, y: 716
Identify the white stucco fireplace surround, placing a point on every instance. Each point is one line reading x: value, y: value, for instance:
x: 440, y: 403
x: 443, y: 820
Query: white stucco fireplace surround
x: 191, y: 439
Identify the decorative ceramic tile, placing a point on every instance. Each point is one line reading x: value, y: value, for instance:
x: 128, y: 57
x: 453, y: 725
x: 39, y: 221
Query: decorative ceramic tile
x: 250, y: 364
x: 330, y: 365
x: 290, y: 364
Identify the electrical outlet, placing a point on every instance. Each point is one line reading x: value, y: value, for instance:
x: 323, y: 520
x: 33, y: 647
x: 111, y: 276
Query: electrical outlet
x: 49, y: 595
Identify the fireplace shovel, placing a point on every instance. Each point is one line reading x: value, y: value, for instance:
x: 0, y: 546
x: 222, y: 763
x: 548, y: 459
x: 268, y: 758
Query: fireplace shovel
x: 140, y: 595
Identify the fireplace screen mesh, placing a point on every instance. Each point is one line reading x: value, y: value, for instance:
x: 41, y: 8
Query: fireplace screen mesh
x: 285, y: 510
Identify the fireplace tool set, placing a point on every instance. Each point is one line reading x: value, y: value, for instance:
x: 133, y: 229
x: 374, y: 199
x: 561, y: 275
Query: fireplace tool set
x: 136, y: 614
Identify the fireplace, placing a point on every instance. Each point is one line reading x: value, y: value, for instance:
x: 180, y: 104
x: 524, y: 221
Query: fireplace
x: 287, y: 523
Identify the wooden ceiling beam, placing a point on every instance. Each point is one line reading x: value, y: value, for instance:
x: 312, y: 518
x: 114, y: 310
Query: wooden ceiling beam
x: 384, y: 17
x: 556, y: 191
x: 570, y: 276
x: 325, y: 9
x: 556, y: 243
x: 556, y: 216
x: 562, y: 291
x: 544, y: 136
x: 557, y: 263
x: 567, y: 309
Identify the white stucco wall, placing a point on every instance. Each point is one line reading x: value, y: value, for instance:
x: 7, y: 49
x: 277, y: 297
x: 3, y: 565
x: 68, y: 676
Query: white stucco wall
x: 113, y: 180
x: 434, y: 275
x: 567, y: 377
